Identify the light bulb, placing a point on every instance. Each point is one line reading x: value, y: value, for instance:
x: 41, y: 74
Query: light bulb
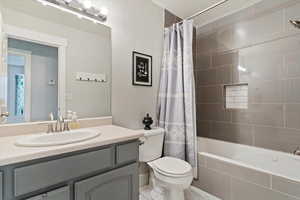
x: 104, y: 11
x: 44, y: 3
x: 87, y: 4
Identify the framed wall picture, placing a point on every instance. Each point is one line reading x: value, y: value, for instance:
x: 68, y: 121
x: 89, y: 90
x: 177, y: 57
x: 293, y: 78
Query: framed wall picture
x: 142, y: 69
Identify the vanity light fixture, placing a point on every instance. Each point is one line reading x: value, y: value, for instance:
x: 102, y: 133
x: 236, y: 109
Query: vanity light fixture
x: 82, y: 11
x: 87, y: 4
x: 104, y: 11
x: 68, y: 1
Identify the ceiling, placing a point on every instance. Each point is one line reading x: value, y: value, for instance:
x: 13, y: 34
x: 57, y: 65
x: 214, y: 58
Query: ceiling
x: 186, y: 8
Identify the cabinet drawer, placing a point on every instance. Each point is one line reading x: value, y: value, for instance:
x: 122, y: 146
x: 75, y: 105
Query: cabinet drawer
x: 127, y: 153
x: 1, y: 186
x: 37, y: 176
x: 59, y: 194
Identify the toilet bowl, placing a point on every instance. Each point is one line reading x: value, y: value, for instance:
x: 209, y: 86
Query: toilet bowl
x: 171, y: 176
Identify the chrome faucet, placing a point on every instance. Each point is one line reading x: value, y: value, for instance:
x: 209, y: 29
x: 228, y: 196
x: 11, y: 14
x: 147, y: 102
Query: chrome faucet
x: 297, y: 152
x: 59, y: 125
x: 6, y: 114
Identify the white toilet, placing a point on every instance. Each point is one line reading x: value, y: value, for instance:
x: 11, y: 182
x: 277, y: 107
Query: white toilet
x: 172, y: 175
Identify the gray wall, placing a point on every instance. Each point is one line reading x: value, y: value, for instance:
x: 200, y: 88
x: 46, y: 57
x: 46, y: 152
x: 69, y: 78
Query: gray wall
x: 44, y: 67
x: 88, y: 50
x: 261, y: 40
x: 137, y: 25
x: 2, y: 85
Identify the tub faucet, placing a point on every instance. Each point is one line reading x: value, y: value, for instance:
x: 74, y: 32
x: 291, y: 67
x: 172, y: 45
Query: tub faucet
x: 297, y: 152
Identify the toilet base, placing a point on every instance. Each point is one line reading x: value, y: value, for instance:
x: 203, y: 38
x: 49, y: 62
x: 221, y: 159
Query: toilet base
x: 159, y: 193
x: 173, y: 194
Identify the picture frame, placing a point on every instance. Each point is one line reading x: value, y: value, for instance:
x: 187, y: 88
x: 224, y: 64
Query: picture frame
x: 141, y: 69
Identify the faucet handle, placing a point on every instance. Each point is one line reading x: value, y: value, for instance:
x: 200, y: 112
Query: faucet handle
x: 66, y: 124
x: 297, y: 151
x: 5, y: 114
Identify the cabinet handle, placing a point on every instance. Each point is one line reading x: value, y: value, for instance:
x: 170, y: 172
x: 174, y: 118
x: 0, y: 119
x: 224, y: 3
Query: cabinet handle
x: 44, y: 196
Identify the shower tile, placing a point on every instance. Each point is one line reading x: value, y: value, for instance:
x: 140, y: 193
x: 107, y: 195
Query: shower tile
x: 260, y: 114
x: 207, y: 77
x: 232, y: 132
x: 267, y: 114
x: 292, y: 116
x: 240, y: 172
x: 214, y: 183
x: 215, y: 112
x: 292, y: 63
x: 286, y: 186
x: 203, y: 128
x: 259, y: 28
x: 224, y: 59
x: 202, y: 61
x: 246, y: 191
x: 206, y: 44
x: 255, y: 64
x: 240, y: 76
x: 266, y: 92
x: 224, y: 75
x: 241, y: 116
x: 224, y: 38
x: 292, y: 91
x: 279, y: 139
x: 209, y: 94
x: 262, y: 49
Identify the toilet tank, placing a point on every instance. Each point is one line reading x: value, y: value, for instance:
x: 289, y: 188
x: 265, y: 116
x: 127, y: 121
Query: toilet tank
x: 152, y: 146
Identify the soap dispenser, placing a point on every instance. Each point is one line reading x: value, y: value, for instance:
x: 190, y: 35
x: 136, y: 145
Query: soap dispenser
x: 74, y: 124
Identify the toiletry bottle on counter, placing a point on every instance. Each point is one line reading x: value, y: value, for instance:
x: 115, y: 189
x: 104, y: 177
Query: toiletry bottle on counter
x: 74, y: 124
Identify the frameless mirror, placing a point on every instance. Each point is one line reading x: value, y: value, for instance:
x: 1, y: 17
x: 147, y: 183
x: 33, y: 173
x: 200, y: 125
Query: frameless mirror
x: 52, y: 62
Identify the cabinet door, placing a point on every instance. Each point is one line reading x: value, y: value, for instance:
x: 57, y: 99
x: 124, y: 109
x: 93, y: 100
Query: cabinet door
x: 119, y: 184
x: 59, y: 194
x: 1, y: 186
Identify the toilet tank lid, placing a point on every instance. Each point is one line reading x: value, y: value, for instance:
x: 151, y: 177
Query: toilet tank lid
x: 153, y: 131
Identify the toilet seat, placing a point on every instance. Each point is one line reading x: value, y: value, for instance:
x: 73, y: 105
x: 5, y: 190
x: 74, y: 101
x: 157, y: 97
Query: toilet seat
x: 172, y: 167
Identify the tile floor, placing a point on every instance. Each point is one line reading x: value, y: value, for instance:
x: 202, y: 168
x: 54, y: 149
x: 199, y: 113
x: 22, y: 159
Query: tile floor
x: 192, y: 194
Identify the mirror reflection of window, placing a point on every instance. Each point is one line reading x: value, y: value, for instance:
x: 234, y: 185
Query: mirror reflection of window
x: 20, y: 95
x: 16, y: 87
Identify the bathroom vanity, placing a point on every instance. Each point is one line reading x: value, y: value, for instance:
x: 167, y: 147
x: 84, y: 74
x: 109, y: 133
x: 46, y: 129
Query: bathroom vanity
x: 102, y: 168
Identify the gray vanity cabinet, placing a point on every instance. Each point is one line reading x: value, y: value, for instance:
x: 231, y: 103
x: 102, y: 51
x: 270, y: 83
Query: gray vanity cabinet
x: 1, y: 186
x: 119, y: 184
x: 59, y: 194
x: 106, y: 172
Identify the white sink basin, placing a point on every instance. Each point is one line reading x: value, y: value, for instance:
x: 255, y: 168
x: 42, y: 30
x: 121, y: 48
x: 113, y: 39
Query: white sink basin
x: 55, y: 139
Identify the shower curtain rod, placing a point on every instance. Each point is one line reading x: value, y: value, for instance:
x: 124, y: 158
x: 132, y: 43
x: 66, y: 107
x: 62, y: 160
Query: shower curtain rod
x: 205, y: 10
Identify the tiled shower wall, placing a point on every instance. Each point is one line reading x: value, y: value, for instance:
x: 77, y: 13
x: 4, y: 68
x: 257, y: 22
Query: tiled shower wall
x: 260, y: 47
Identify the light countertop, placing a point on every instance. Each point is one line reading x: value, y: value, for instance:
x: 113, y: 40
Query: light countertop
x: 10, y: 153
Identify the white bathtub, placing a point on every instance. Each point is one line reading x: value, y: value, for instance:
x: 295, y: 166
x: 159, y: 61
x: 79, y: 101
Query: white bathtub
x: 245, y: 169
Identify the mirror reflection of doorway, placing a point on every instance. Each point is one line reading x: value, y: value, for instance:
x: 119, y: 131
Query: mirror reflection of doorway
x: 18, y: 83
